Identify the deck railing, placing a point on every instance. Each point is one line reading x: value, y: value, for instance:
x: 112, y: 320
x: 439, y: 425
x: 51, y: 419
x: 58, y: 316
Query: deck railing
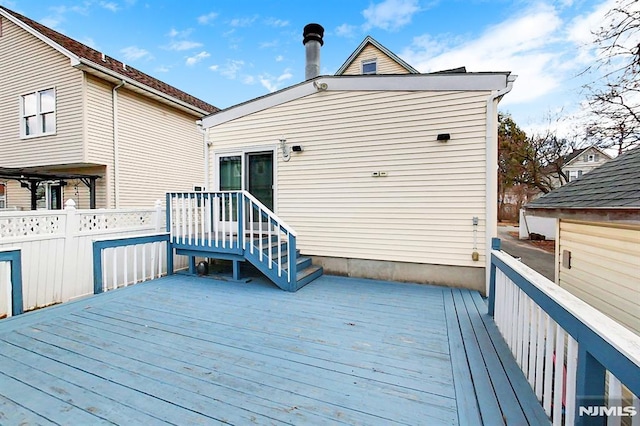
x: 11, y: 280
x: 233, y: 222
x: 122, y: 261
x: 582, y: 365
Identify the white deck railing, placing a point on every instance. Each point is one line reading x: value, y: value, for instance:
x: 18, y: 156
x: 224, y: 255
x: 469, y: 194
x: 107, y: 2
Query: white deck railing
x: 233, y: 222
x: 580, y: 363
x: 56, y: 249
x: 10, y: 281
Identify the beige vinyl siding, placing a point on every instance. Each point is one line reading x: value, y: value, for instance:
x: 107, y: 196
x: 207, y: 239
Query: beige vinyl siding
x: 385, y: 64
x: 17, y: 196
x: 605, y: 267
x: 160, y: 150
x: 26, y: 65
x: 421, y: 212
x: 99, y: 131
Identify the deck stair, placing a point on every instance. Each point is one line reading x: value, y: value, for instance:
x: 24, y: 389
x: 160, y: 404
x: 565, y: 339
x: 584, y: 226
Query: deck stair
x: 207, y: 224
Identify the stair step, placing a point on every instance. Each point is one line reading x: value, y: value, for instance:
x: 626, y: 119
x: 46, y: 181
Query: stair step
x: 303, y: 262
x: 308, y: 274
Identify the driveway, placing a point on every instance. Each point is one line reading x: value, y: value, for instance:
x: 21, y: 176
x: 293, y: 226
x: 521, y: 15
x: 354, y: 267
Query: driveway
x: 532, y: 256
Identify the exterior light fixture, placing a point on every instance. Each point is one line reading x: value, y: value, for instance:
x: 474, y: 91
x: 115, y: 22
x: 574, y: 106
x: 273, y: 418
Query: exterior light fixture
x: 443, y: 137
x: 296, y: 148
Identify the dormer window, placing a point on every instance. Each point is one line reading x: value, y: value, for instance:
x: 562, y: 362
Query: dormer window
x: 370, y: 66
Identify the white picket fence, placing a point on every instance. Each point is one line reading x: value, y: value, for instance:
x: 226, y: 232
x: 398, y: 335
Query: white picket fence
x: 56, y: 246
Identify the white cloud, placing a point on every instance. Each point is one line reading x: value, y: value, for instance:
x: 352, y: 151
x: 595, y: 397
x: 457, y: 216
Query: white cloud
x: 243, y: 22
x: 249, y: 79
x: 214, y: 67
x: 230, y: 69
x: 273, y: 84
x: 277, y: 23
x: 390, y: 14
x: 268, y: 44
x: 205, y: 19
x: 52, y: 22
x: 133, y: 53
x: 346, y: 30
x: 192, y: 60
x: 279, y: 58
x: 109, y: 5
x: 173, y: 33
x: 162, y: 68
x: 528, y: 45
x: 180, y: 45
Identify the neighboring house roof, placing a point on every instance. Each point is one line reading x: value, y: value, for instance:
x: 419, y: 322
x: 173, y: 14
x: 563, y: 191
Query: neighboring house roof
x: 613, y: 185
x: 575, y: 154
x: 85, y: 55
x: 390, y: 54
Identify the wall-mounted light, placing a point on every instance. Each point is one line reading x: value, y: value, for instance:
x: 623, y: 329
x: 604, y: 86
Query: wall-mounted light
x: 286, y: 153
x: 443, y: 137
x: 320, y: 87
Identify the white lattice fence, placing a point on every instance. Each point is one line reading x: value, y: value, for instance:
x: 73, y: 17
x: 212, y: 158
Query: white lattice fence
x: 57, y: 247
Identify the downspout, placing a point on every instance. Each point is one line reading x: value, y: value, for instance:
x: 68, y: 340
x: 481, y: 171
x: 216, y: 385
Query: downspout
x: 206, y: 146
x: 116, y: 155
x: 491, y: 194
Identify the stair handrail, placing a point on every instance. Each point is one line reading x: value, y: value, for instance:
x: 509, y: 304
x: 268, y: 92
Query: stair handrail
x: 271, y: 214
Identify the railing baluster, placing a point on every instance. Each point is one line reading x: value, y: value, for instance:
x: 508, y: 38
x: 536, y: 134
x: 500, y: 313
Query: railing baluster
x: 531, y: 342
x: 231, y: 221
x: 270, y: 243
x: 572, y: 366
x: 144, y: 263
x: 209, y: 217
x: 135, y: 264
x: 216, y: 218
x: 540, y: 345
x: 125, y: 266
x: 223, y: 219
x: 279, y: 251
x: 251, y: 230
x: 184, y: 219
x: 115, y: 268
x: 202, y: 219
x: 548, y: 366
x: 614, y: 392
x: 559, y: 378
x: 260, y: 230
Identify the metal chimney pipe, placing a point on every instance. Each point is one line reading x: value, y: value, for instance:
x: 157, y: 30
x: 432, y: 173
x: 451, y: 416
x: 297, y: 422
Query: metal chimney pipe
x: 312, y: 41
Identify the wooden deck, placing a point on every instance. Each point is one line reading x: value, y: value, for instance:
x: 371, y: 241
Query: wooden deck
x: 188, y: 350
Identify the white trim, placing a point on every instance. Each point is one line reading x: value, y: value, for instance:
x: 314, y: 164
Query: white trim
x: 86, y: 63
x: 491, y: 159
x: 384, y: 50
x: 78, y: 62
x: 74, y: 59
x: 405, y: 82
x: 39, y: 113
x: 367, y: 62
x: 255, y: 149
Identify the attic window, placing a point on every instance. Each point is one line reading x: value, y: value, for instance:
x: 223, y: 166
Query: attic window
x: 591, y: 158
x: 370, y: 66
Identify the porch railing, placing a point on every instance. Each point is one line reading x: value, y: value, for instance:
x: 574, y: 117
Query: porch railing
x: 11, y: 280
x: 236, y: 223
x: 582, y: 365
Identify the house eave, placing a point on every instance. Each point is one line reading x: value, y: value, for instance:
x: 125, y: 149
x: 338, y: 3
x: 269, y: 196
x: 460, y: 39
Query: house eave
x: 115, y: 77
x: 404, y: 82
x: 626, y: 213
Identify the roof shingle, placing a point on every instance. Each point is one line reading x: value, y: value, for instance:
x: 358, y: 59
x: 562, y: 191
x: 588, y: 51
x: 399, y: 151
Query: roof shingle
x: 615, y: 184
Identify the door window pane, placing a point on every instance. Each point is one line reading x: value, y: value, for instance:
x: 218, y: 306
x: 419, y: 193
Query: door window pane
x: 261, y: 178
x: 231, y: 173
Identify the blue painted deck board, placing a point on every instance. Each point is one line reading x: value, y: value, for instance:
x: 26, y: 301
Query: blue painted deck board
x: 188, y: 350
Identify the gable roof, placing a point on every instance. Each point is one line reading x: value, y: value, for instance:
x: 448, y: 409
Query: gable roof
x: 81, y: 54
x: 575, y: 154
x: 390, y: 54
x: 613, y: 185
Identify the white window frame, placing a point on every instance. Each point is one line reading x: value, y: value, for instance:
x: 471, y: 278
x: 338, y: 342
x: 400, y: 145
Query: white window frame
x: 591, y: 158
x: 367, y: 62
x: 39, y: 114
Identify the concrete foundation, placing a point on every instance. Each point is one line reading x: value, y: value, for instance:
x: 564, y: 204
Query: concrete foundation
x: 444, y: 275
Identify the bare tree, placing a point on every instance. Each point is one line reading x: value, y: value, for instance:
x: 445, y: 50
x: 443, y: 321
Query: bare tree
x: 615, y: 96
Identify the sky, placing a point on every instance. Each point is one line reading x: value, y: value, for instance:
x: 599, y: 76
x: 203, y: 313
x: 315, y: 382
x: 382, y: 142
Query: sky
x: 227, y: 52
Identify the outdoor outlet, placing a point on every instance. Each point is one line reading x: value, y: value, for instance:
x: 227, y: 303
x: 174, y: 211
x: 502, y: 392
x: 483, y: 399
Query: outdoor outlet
x: 383, y: 174
x: 375, y: 174
x: 475, y: 256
